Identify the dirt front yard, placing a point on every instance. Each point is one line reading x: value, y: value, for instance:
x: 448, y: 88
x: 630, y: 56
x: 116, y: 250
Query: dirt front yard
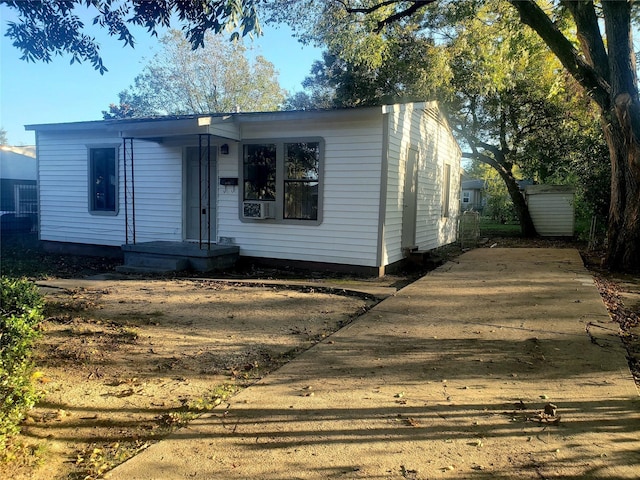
x: 122, y: 363
x: 125, y: 362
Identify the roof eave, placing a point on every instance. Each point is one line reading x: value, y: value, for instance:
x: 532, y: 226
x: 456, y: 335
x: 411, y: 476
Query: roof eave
x: 223, y: 126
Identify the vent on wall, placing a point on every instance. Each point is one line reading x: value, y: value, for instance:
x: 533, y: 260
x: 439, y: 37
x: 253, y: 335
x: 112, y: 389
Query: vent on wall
x: 258, y: 210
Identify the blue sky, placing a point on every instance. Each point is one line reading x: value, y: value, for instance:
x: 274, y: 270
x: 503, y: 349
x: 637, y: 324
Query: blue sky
x: 33, y: 93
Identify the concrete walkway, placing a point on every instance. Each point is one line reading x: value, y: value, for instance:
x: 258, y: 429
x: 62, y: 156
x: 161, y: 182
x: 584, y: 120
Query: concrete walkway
x: 447, y: 379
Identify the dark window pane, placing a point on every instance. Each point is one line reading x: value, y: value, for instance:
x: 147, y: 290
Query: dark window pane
x: 302, y: 161
x: 302, y: 165
x: 103, y: 179
x: 301, y: 200
x: 259, y: 173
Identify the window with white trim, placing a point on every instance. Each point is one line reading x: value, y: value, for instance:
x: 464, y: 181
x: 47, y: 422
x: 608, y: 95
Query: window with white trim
x: 103, y: 180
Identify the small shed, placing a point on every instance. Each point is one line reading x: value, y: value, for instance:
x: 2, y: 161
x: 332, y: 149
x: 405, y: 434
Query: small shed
x: 552, y: 209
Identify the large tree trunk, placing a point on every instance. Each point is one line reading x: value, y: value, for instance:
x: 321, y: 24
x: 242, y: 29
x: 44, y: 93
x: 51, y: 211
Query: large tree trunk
x: 621, y: 126
x: 623, y: 250
x: 527, y: 227
x: 611, y: 82
x: 497, y: 160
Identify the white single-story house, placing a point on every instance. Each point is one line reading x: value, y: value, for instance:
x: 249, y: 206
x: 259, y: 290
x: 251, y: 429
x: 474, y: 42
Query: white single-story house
x: 352, y: 189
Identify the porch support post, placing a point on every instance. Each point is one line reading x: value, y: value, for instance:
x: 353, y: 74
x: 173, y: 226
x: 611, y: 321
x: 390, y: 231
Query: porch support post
x: 129, y: 191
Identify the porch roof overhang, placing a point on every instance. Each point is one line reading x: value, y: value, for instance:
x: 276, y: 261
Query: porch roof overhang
x: 156, y: 128
x: 226, y: 126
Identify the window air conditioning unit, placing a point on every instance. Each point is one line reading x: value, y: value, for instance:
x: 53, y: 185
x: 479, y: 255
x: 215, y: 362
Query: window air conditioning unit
x: 258, y: 210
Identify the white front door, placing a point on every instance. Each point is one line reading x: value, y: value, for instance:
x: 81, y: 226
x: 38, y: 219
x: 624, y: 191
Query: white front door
x: 200, y: 196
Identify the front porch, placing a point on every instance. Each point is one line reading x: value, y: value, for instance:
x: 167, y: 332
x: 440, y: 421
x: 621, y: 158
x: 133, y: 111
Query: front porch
x: 167, y: 257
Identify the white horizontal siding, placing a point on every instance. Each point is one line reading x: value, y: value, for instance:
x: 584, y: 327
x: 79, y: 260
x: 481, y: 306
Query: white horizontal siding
x: 399, y: 129
x: 411, y: 127
x: 63, y: 192
x: 158, y: 191
x: 351, y: 196
x: 63, y: 184
x: 552, y: 214
x: 433, y: 229
x: 348, y: 233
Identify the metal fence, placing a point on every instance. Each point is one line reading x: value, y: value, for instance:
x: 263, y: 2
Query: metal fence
x: 24, y: 217
x: 469, y: 229
x: 26, y: 199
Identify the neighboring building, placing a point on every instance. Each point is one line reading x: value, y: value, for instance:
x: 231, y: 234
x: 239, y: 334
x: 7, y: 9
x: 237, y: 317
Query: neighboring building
x: 473, y: 195
x: 18, y: 191
x: 351, y: 189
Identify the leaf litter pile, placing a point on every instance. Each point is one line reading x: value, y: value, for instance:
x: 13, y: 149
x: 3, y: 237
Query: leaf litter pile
x: 123, y: 363
x: 622, y: 298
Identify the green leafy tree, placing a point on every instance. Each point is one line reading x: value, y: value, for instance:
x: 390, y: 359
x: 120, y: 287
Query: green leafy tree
x: 499, y: 206
x: 48, y: 28
x: 599, y: 56
x: 414, y: 69
x: 3, y: 137
x: 308, y: 101
x: 498, y: 83
x: 516, y: 110
x: 215, y: 78
x: 602, y: 62
x: 575, y: 153
x: 501, y: 101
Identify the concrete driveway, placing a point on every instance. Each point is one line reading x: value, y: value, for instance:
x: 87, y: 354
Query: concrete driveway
x: 503, y: 364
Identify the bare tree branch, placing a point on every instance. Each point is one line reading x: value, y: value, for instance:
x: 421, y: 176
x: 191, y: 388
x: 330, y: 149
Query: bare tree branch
x: 407, y: 12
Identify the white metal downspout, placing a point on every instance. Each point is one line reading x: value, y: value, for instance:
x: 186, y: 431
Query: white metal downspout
x: 38, y: 183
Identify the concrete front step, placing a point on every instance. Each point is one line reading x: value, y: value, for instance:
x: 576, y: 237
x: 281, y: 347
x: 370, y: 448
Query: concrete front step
x: 158, y: 261
x: 143, y: 270
x: 164, y: 257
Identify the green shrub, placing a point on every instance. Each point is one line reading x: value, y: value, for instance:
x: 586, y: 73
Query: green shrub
x: 20, y: 313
